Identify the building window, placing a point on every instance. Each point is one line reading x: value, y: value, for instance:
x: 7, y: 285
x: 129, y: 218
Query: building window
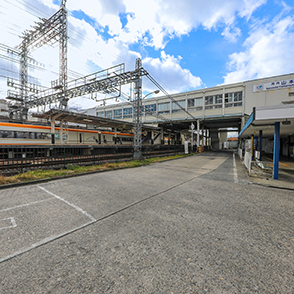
x: 191, y: 102
x: 238, y: 98
x: 229, y: 99
x: 100, y: 114
x: 208, y: 100
x: 163, y: 107
x: 128, y: 112
x: 108, y: 114
x: 150, y: 108
x: 233, y: 99
x: 218, y: 99
x: 199, y: 103
x: 179, y: 104
x: 118, y: 113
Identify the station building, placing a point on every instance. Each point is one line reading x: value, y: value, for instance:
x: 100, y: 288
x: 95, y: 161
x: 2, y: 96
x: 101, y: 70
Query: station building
x: 213, y: 111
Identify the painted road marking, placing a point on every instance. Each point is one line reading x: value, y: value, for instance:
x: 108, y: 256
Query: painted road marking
x: 68, y: 203
x: 235, y: 169
x: 7, y: 223
x: 27, y: 204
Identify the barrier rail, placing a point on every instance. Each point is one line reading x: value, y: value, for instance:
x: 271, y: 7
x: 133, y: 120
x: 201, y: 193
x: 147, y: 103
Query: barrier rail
x: 247, y: 161
x: 240, y: 153
x: 23, y: 158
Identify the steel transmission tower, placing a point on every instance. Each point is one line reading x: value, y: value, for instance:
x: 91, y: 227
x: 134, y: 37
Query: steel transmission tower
x: 138, y: 110
x: 46, y: 31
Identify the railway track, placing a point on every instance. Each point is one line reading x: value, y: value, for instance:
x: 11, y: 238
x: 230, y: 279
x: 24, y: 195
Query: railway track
x: 21, y: 165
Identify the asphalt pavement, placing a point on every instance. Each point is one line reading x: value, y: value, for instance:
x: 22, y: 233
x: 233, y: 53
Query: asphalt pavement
x: 191, y: 225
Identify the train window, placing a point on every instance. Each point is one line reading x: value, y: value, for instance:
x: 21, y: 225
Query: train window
x: 7, y: 134
x: 24, y: 135
x: 3, y: 134
x: 17, y: 134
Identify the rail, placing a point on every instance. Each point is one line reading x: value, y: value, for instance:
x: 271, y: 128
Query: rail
x: 20, y: 159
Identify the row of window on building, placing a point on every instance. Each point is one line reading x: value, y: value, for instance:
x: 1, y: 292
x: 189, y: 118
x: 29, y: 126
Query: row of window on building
x: 196, y: 104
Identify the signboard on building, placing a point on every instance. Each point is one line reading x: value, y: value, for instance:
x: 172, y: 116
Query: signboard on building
x: 273, y: 85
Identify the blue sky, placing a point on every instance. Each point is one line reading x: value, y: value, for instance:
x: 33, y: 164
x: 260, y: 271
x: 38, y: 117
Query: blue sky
x: 184, y: 45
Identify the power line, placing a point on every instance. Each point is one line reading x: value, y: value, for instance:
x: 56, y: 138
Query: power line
x: 168, y: 95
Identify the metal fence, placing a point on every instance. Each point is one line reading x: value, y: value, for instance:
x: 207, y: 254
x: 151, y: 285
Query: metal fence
x: 23, y: 158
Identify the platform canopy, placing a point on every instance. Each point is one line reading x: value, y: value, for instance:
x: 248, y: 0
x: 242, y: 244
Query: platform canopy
x: 264, y: 119
x: 79, y: 118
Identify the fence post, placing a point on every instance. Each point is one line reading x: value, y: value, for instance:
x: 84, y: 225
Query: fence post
x: 21, y: 167
x: 64, y: 157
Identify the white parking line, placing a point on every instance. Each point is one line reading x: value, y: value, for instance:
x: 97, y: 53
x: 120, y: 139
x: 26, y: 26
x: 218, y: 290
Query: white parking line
x: 70, y: 204
x: 12, y: 221
x: 27, y: 204
x: 235, y: 170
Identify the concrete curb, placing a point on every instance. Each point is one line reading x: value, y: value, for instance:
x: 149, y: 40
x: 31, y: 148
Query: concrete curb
x: 272, y: 186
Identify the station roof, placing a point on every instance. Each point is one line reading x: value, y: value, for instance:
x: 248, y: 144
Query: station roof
x: 264, y: 119
x: 215, y: 123
x: 75, y: 117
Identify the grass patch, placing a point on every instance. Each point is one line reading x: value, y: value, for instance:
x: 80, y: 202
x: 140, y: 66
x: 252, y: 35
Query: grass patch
x: 76, y: 169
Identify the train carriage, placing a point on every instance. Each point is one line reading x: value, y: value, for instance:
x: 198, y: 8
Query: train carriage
x: 29, y: 134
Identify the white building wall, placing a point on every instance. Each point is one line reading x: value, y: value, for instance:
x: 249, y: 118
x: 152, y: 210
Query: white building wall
x: 257, y: 95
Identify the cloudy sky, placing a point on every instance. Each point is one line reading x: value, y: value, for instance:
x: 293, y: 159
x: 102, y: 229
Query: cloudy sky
x: 184, y: 45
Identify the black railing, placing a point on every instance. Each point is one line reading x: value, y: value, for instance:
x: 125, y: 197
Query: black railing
x: 23, y: 158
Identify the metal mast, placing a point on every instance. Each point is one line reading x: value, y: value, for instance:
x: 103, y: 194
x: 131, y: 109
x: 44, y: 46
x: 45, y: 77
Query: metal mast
x: 24, y: 76
x: 63, y: 55
x: 138, y: 110
x: 46, y: 31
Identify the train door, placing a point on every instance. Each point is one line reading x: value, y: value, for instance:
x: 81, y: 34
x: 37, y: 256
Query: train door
x: 81, y: 138
x: 99, y: 138
x: 52, y: 139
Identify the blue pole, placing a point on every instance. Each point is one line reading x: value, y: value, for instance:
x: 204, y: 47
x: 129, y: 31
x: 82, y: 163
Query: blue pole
x: 260, y: 145
x: 276, y: 151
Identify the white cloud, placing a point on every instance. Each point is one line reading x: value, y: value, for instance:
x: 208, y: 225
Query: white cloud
x: 163, y: 20
x: 149, y: 22
x: 231, y: 34
x: 267, y: 51
x: 170, y: 74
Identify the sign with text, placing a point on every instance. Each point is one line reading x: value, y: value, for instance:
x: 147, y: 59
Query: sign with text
x: 273, y: 85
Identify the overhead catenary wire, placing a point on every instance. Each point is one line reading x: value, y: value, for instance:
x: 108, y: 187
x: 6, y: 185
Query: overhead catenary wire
x: 168, y: 95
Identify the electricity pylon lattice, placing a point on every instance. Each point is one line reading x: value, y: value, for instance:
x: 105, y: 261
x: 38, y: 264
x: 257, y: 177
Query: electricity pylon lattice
x: 46, y: 31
